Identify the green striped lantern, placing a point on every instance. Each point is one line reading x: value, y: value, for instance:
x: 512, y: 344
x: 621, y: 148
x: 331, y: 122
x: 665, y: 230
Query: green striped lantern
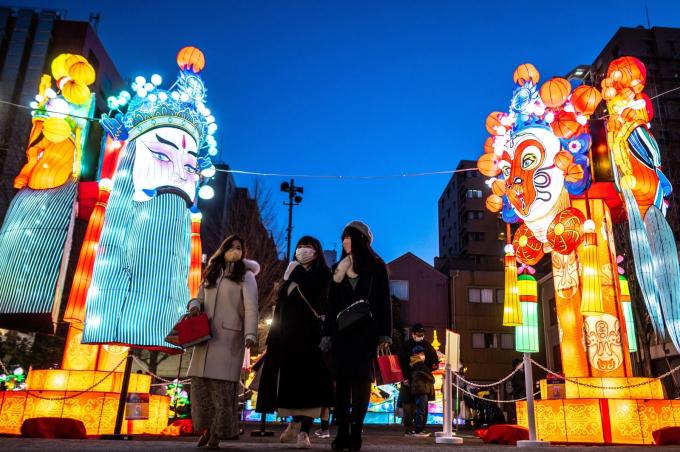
x: 526, y: 335
x: 627, y: 305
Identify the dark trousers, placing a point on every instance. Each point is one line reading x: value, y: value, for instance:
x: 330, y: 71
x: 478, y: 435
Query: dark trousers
x: 415, y: 414
x: 351, y: 400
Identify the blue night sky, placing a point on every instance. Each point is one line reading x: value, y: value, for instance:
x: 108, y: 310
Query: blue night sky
x: 359, y: 88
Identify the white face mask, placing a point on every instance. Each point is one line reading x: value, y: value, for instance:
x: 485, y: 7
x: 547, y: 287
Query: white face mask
x: 418, y: 338
x: 233, y: 255
x: 305, y: 255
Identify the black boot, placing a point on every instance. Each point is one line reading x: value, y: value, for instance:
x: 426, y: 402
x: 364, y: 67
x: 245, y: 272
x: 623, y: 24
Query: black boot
x: 342, y: 439
x: 355, y: 437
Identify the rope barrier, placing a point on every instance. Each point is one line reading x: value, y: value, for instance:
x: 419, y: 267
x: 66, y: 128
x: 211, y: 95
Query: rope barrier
x: 491, y: 400
x: 491, y: 385
x: 145, y: 368
x: 588, y: 385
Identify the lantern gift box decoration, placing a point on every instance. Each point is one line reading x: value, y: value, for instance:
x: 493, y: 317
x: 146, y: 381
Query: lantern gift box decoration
x: 539, y: 161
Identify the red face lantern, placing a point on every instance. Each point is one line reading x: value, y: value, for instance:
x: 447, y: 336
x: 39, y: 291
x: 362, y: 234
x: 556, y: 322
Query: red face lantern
x: 565, y: 233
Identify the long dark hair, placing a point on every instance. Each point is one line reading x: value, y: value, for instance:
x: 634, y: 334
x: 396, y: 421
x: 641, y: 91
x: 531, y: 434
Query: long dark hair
x: 365, y: 259
x: 216, y: 263
x: 320, y: 261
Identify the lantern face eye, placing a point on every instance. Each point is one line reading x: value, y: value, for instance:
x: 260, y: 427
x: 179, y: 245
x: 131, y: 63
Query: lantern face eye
x: 505, y: 168
x: 530, y: 157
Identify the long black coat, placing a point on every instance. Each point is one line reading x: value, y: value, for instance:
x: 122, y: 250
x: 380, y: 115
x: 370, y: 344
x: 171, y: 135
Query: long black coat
x: 294, y: 373
x: 353, y: 350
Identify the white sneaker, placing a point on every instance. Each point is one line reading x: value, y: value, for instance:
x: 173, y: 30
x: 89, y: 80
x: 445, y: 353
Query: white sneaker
x: 303, y: 441
x: 422, y: 434
x: 291, y: 432
x: 321, y: 433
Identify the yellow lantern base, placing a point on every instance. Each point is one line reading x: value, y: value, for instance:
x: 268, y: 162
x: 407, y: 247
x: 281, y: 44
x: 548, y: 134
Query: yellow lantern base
x: 598, y: 421
x: 96, y: 408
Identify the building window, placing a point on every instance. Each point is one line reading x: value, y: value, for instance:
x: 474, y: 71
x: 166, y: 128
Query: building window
x: 475, y: 214
x: 472, y: 194
x: 484, y: 340
x: 399, y: 289
x: 507, y: 341
x: 479, y: 295
x: 500, y: 295
x: 475, y: 236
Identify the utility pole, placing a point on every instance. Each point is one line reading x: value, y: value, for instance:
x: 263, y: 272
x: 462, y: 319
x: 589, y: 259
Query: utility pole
x: 294, y: 199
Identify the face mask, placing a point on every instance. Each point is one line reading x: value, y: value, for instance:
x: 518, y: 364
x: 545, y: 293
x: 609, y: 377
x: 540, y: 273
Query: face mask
x: 418, y: 338
x: 305, y: 255
x: 233, y: 255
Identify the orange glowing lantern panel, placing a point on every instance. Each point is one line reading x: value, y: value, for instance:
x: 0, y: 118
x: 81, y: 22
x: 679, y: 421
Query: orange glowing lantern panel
x: 526, y: 73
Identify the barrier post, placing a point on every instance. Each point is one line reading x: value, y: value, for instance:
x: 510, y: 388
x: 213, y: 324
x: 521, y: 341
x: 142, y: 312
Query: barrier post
x: 446, y: 436
x: 531, y: 419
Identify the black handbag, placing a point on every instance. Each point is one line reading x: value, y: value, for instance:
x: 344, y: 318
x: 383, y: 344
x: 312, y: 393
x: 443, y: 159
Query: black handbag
x: 356, y: 313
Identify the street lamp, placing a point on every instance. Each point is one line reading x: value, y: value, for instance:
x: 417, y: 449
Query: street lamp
x: 294, y: 199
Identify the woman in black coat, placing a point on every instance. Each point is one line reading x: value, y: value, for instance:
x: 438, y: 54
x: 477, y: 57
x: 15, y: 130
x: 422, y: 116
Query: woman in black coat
x: 360, y: 276
x: 295, y: 380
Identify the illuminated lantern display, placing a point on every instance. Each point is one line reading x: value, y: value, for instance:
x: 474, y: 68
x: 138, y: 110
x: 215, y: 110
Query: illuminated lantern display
x: 141, y: 274
x: 563, y: 177
x: 624, y: 291
x: 35, y: 238
x: 87, y: 386
x: 526, y: 335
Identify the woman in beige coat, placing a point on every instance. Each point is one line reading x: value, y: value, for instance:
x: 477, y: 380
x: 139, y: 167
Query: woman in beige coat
x: 228, y: 295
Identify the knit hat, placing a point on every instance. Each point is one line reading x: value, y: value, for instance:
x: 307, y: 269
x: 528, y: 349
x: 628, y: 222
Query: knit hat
x: 361, y: 227
x: 418, y: 328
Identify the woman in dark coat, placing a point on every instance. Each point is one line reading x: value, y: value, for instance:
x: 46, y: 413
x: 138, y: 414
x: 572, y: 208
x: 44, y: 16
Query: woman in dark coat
x: 360, y: 275
x: 295, y: 380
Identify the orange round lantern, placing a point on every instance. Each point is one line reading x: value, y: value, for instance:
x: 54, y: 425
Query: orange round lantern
x: 82, y: 72
x: 59, y: 68
x: 498, y: 187
x: 493, y: 122
x: 585, y: 99
x: 555, y: 92
x: 494, y: 203
x: 528, y: 249
x: 488, y: 165
x: 488, y: 145
x: 191, y: 58
x: 526, y: 73
x: 565, y: 233
x: 565, y: 125
x: 627, y: 72
x: 609, y: 93
x: 563, y: 159
x: 75, y: 92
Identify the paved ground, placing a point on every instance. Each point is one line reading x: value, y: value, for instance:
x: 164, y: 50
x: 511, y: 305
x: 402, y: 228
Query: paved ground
x: 377, y: 439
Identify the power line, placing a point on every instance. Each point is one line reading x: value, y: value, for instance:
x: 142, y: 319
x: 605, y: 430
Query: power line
x: 349, y: 177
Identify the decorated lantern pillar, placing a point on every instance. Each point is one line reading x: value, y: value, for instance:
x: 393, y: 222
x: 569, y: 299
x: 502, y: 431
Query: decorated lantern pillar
x: 554, y: 178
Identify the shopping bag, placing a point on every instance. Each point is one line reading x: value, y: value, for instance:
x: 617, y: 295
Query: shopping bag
x: 387, y: 369
x: 190, y: 331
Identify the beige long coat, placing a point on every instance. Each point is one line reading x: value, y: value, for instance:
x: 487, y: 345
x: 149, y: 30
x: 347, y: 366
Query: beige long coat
x: 233, y: 312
